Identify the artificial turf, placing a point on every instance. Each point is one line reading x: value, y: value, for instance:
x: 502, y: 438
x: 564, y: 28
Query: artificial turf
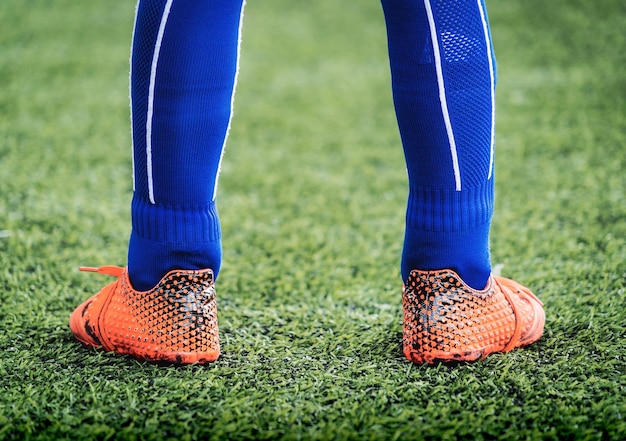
x: 311, y: 198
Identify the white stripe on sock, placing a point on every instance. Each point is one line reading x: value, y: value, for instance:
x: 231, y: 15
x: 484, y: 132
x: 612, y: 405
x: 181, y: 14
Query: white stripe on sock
x: 232, y: 99
x: 442, y: 94
x: 155, y: 61
x: 483, y: 16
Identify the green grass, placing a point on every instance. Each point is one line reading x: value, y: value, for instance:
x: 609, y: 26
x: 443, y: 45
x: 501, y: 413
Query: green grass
x: 312, y: 197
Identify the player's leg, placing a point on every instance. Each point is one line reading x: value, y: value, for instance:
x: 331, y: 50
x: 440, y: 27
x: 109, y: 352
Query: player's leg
x: 443, y: 81
x: 184, y: 65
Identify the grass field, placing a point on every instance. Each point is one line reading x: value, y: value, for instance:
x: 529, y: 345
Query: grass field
x: 312, y: 197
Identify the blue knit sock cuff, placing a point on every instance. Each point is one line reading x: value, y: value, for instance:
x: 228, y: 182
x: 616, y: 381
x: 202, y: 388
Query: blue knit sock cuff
x: 445, y: 210
x: 175, y: 224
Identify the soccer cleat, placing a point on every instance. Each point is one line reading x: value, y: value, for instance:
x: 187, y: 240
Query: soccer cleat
x: 174, y: 322
x: 446, y: 320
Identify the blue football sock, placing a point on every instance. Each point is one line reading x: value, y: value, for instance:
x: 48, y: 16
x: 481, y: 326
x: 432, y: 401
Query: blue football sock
x: 183, y: 71
x: 443, y: 82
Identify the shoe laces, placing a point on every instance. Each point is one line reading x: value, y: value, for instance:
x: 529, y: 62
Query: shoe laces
x: 109, y: 270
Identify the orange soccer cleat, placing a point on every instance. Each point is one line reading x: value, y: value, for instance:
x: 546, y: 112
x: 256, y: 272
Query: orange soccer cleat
x: 174, y: 322
x: 446, y: 320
